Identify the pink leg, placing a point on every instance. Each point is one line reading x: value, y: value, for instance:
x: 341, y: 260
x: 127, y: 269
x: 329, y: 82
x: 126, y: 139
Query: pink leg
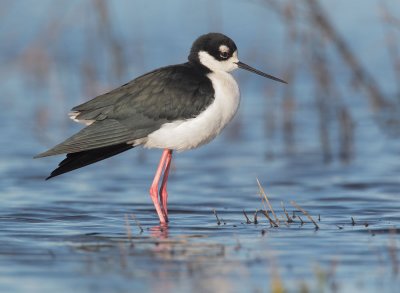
x: 163, y: 188
x: 154, y: 187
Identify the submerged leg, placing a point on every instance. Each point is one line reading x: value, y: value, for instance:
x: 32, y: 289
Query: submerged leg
x: 154, y: 187
x: 163, y: 188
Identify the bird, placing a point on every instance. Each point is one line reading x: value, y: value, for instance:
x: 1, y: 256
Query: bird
x: 173, y: 108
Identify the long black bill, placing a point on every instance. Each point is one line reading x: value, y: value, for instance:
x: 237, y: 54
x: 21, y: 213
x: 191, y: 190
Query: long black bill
x: 251, y: 69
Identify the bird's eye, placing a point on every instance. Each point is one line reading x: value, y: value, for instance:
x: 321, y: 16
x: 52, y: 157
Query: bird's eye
x: 224, y: 55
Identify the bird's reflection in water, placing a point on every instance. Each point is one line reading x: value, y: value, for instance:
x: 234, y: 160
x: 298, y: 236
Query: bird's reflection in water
x: 165, y: 247
x: 160, y: 231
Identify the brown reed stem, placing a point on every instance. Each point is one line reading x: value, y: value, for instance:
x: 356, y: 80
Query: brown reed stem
x: 218, y: 221
x: 293, y: 203
x: 247, y: 218
x: 271, y: 222
x: 137, y: 223
x: 267, y: 201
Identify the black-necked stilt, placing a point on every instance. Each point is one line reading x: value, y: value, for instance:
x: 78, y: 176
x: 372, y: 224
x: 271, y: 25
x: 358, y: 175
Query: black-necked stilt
x: 178, y: 107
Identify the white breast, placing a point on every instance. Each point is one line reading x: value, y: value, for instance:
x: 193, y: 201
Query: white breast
x: 188, y: 134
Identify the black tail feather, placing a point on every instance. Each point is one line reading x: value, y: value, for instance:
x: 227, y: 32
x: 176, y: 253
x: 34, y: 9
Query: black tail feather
x: 81, y: 159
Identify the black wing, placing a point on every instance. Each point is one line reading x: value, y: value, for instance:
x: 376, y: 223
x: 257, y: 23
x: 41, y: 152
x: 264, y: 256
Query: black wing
x: 139, y: 107
x: 78, y: 160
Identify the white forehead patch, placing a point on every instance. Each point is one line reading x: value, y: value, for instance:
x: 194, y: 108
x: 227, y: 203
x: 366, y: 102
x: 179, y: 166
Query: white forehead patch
x: 223, y: 48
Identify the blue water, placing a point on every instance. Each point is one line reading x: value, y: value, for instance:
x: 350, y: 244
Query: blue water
x: 76, y: 232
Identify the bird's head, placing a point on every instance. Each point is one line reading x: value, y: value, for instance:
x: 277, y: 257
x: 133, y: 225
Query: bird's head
x: 218, y: 52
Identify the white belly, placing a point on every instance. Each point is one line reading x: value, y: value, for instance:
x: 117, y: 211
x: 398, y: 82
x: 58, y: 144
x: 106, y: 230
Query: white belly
x: 188, y: 134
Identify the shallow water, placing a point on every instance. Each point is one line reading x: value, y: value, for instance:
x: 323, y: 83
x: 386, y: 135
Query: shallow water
x: 72, y: 232
x: 79, y: 231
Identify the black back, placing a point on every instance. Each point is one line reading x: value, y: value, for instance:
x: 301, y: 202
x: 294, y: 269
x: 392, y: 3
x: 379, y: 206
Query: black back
x: 140, y: 107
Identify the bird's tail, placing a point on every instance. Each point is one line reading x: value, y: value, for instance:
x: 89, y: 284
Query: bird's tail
x: 81, y: 159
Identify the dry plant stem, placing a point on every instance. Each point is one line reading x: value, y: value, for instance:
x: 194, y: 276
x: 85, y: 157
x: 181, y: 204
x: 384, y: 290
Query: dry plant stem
x: 284, y: 220
x: 288, y: 106
x: 288, y: 110
x: 324, y: 91
x: 262, y: 192
x: 137, y: 223
x: 393, y: 49
x: 352, y: 221
x: 269, y: 219
x: 128, y: 228
x: 322, y: 23
x: 360, y: 74
x: 271, y: 222
x: 392, y: 40
x: 247, y: 218
x: 301, y: 220
x: 263, y: 200
x: 289, y: 219
x: 218, y: 221
x: 255, y: 217
x: 346, y: 135
x: 293, y: 203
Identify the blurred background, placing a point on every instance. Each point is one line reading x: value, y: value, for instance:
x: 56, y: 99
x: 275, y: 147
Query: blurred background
x: 342, y: 61
x: 329, y: 139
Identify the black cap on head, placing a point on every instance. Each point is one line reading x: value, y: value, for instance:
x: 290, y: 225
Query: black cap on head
x: 211, y: 43
x: 221, y: 48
